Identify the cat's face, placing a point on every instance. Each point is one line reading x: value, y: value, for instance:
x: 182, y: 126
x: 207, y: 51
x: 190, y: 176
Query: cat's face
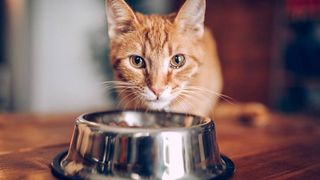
x: 155, y: 56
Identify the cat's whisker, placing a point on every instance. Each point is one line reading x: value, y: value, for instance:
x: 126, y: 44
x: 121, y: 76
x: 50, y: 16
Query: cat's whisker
x: 135, y: 106
x: 136, y: 95
x: 109, y: 91
x: 120, y: 87
x: 184, y: 104
x: 210, y: 91
x: 126, y: 96
x: 138, y: 99
x: 128, y: 89
x: 116, y: 82
x: 180, y: 102
x: 139, y: 102
x: 121, y: 99
x: 182, y: 96
x: 195, y: 95
x: 226, y: 98
x: 185, y: 94
x: 112, y: 88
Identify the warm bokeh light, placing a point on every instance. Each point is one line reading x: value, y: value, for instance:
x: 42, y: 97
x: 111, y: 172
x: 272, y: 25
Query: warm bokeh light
x: 56, y: 53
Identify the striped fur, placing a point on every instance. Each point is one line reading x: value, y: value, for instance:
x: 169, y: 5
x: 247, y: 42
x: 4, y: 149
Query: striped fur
x: 157, y: 39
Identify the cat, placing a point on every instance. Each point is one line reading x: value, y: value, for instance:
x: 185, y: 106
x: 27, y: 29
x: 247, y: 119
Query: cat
x: 164, y: 62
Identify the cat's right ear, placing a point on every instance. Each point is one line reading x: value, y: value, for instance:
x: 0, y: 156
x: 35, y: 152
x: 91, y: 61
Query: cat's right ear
x: 191, y: 16
x: 120, y: 16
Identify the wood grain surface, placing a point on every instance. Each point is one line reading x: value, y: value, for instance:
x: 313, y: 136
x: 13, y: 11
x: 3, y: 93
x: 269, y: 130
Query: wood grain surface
x: 288, y: 147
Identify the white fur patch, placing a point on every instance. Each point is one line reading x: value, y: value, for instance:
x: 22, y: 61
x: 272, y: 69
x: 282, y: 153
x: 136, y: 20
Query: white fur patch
x: 154, y: 103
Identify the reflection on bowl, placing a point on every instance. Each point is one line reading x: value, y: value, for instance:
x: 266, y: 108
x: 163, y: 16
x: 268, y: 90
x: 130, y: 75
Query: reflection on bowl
x: 142, y: 145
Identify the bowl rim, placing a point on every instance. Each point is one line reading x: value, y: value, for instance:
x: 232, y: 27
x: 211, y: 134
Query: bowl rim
x: 208, y: 122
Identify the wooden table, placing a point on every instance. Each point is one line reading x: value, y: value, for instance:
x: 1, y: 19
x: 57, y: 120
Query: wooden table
x: 288, y: 147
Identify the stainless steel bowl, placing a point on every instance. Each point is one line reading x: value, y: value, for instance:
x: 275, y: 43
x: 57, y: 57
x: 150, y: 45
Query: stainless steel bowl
x: 153, y: 145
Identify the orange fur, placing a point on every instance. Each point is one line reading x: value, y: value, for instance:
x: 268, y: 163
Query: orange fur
x: 157, y: 39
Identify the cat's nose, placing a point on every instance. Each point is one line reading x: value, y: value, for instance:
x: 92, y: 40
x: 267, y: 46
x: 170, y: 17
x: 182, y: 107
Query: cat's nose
x: 157, y: 91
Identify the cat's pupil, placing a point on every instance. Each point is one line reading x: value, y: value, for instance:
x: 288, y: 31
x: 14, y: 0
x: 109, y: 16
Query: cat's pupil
x: 138, y: 60
x: 178, y: 59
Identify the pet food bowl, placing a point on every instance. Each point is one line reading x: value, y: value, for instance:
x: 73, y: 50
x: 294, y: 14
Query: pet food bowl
x: 142, y: 145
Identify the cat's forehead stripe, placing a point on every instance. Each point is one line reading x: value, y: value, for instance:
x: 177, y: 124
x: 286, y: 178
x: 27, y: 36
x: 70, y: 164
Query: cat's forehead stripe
x: 154, y: 31
x: 165, y: 41
x: 170, y: 49
x: 155, y: 38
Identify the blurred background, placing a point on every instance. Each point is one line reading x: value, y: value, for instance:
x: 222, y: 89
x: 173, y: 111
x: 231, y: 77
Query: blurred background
x: 54, y: 54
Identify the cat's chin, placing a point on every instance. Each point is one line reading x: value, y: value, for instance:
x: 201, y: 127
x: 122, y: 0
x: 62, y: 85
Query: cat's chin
x: 158, y: 105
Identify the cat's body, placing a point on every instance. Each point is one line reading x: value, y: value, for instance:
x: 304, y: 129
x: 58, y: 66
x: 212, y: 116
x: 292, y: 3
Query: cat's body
x: 164, y: 62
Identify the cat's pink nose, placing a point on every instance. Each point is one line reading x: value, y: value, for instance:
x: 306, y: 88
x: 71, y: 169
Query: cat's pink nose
x: 157, y: 92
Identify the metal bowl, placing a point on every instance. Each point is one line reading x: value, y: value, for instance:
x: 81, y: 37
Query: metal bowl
x: 142, y: 145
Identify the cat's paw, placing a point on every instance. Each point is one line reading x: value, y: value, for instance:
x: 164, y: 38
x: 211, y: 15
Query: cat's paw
x: 249, y: 114
x: 254, y: 114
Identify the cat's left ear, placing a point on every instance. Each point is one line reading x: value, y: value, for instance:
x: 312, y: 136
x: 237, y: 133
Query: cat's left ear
x: 191, y: 16
x: 121, y: 18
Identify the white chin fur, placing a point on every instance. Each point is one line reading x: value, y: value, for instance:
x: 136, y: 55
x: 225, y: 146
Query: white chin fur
x: 158, y: 105
x: 151, y: 100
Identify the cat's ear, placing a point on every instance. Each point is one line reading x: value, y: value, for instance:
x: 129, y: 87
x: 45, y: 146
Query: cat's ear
x: 191, y: 16
x: 120, y: 16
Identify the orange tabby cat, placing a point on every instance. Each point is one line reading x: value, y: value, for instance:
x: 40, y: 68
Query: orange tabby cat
x: 164, y: 62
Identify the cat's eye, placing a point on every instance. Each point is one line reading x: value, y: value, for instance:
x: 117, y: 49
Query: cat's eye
x: 177, y: 61
x: 137, y: 62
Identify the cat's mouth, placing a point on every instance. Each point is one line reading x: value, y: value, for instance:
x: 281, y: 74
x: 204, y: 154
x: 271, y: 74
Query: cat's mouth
x: 156, y: 100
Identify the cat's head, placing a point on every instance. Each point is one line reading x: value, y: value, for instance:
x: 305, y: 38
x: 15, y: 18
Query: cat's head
x: 155, y: 56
